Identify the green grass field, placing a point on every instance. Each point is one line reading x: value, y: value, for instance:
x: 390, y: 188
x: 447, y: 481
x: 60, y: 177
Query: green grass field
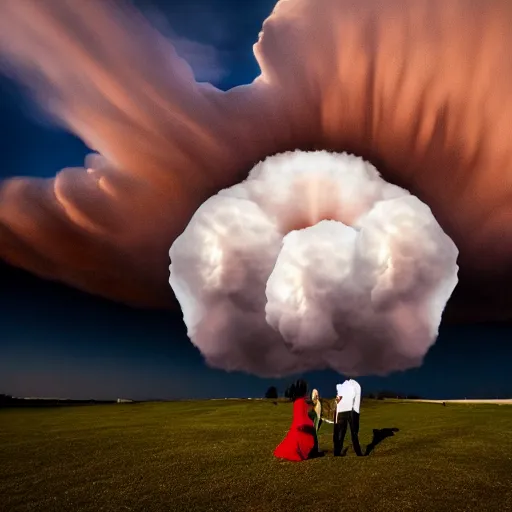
x: 217, y: 456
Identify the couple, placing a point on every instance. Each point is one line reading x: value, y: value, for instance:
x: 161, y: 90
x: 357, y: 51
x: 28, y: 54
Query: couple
x: 301, y: 442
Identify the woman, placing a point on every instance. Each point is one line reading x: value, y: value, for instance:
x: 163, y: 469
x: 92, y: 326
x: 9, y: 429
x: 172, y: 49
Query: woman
x: 317, y: 410
x: 300, y: 442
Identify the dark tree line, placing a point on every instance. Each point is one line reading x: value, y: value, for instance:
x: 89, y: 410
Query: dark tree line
x: 5, y: 399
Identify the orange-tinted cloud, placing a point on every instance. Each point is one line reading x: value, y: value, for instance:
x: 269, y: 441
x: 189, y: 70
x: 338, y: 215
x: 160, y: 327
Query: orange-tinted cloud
x: 420, y: 87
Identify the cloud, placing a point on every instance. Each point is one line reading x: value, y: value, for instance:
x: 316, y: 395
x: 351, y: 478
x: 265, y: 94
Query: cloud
x: 421, y: 89
x: 208, y: 63
x: 313, y: 262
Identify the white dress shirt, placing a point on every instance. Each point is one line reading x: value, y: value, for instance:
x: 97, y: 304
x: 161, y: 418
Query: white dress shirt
x: 350, y: 392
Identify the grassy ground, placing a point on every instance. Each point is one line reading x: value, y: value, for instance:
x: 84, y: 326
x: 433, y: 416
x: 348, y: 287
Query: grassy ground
x: 217, y: 456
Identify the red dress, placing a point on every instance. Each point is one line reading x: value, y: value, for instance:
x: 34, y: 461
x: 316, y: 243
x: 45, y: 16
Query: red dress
x: 297, y: 445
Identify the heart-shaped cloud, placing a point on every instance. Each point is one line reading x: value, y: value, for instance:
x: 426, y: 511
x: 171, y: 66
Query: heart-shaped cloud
x: 313, y: 262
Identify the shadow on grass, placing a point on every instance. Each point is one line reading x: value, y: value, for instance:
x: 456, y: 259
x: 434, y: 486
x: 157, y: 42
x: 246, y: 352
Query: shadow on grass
x: 316, y: 454
x: 379, y: 434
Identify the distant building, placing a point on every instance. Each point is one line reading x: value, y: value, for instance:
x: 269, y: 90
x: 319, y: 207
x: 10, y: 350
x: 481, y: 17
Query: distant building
x: 124, y: 401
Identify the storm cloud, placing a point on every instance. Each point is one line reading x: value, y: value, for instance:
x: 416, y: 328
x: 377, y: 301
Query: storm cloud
x: 420, y: 88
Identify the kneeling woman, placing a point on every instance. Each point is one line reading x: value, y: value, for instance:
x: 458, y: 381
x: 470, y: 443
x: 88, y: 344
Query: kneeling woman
x: 300, y: 443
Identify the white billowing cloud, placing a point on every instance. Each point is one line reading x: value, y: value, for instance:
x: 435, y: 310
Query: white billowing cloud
x: 313, y: 262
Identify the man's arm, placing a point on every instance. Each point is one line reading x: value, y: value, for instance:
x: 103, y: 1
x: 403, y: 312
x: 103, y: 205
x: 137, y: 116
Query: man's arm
x: 338, y: 398
x: 357, y: 396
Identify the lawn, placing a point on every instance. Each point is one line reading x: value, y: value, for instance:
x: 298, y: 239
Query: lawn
x: 217, y: 456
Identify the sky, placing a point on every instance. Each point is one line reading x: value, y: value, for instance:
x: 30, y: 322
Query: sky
x: 58, y: 342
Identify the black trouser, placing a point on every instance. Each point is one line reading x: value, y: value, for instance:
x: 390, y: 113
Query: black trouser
x: 340, y: 429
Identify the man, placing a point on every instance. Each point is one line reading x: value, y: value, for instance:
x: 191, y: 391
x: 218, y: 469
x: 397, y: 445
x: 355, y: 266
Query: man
x: 348, y: 399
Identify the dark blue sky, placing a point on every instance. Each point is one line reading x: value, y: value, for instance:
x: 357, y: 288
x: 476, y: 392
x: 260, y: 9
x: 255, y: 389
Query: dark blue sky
x: 55, y: 341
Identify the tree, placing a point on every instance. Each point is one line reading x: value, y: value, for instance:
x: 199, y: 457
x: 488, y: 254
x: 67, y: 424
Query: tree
x: 271, y: 392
